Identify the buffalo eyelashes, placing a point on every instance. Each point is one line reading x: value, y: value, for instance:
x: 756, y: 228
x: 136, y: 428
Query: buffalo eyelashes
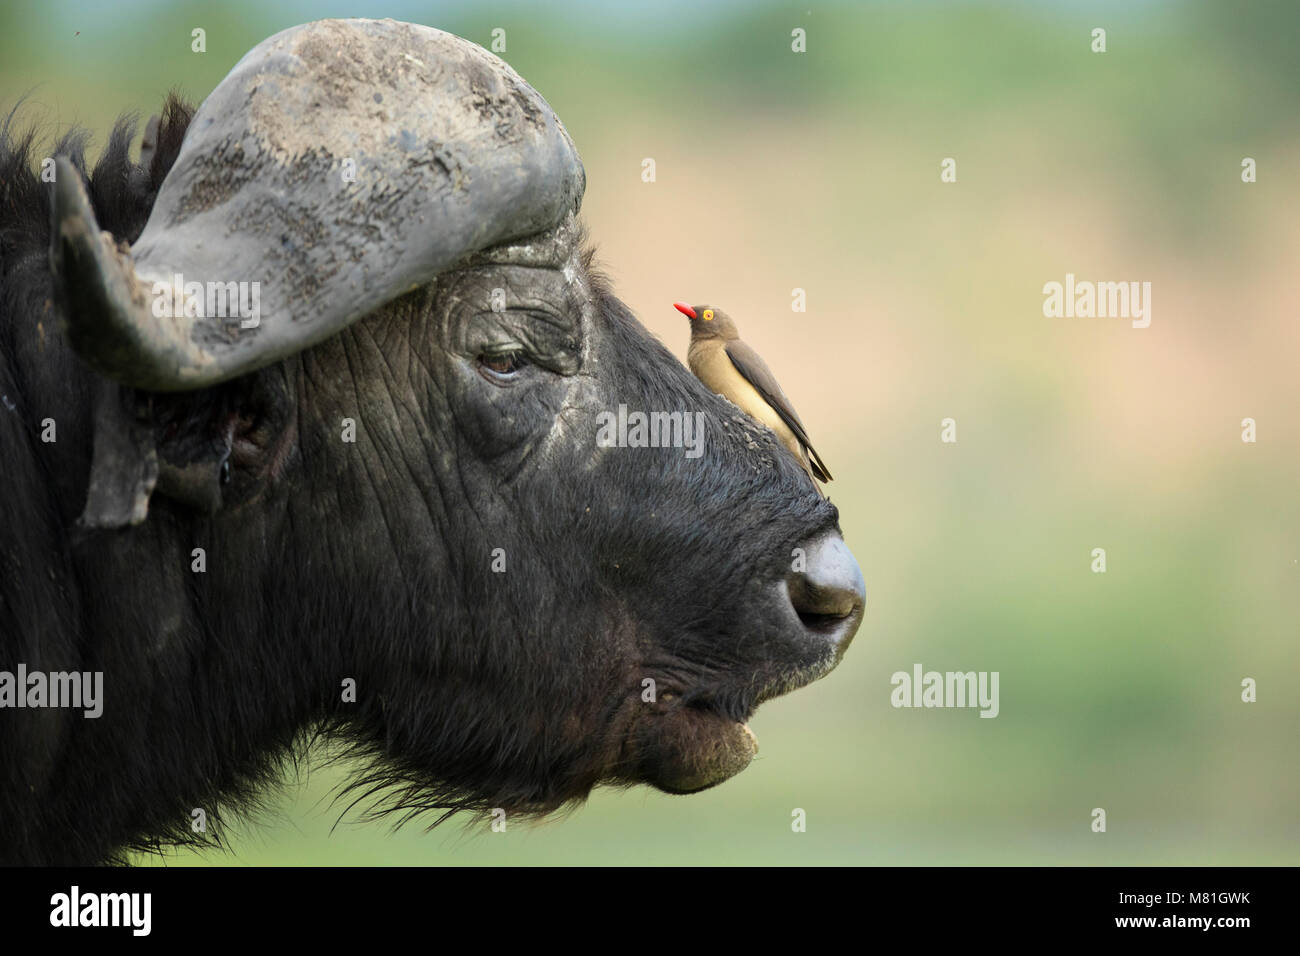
x: 501, y: 365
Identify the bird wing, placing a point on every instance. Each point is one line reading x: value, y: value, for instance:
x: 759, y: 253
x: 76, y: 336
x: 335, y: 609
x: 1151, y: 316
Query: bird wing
x: 751, y: 365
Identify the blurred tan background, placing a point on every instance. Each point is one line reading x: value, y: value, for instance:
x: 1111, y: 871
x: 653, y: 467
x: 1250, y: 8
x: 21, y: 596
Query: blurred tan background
x: 820, y: 171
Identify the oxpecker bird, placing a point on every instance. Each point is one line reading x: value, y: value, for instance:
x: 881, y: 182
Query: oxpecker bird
x: 723, y: 362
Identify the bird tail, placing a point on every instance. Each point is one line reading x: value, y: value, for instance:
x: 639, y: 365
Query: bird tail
x: 816, y: 472
x: 819, y: 469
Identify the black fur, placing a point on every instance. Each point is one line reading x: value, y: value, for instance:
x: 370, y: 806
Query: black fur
x: 371, y: 561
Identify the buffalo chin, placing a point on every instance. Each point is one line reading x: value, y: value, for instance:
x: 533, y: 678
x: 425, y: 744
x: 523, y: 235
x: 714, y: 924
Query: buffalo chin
x: 689, y: 749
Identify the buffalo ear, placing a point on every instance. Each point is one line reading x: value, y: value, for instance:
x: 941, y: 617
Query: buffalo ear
x: 176, y: 446
x: 201, y: 449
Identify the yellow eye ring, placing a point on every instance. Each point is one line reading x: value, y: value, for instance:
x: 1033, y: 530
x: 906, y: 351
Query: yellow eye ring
x: 708, y: 315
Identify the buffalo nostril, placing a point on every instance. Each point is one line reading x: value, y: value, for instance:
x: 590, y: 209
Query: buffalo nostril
x: 827, y: 591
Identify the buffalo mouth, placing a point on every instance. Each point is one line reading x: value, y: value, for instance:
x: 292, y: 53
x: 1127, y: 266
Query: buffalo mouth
x: 685, y: 744
x: 693, y: 748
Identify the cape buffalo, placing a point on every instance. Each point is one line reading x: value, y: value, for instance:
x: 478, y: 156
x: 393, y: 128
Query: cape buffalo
x: 301, y: 434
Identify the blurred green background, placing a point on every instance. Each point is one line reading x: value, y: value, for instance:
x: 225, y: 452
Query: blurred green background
x: 820, y: 171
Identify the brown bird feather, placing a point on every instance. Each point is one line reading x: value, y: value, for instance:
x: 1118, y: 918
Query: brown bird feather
x: 751, y: 365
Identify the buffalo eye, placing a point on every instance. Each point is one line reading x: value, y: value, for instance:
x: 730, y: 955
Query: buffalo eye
x: 502, y: 365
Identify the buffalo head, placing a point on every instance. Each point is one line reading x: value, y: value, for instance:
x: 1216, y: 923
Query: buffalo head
x: 413, y: 537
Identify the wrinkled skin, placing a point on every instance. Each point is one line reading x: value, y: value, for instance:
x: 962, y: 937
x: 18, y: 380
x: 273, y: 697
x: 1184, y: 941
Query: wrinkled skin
x: 372, y: 560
